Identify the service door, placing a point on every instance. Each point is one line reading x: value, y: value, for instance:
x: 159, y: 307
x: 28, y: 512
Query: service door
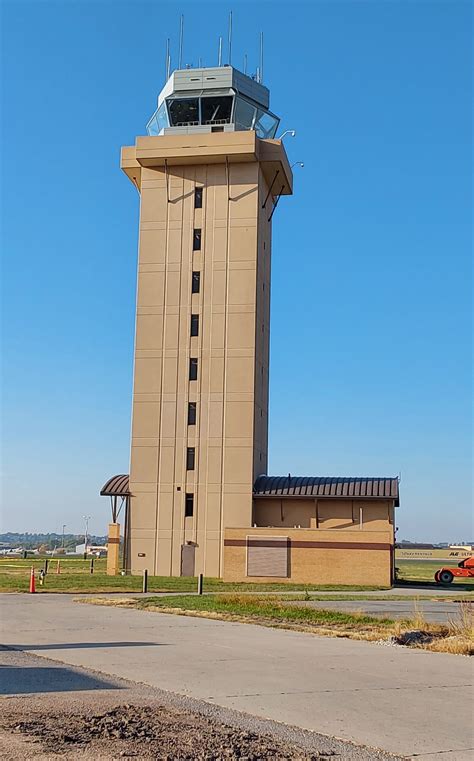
x: 187, y: 559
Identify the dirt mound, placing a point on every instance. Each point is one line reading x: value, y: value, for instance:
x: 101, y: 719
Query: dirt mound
x: 155, y: 732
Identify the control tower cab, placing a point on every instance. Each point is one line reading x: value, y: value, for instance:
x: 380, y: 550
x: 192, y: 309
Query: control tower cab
x: 219, y: 99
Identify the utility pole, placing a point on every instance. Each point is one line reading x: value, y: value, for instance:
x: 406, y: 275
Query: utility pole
x: 62, y: 541
x: 86, y: 519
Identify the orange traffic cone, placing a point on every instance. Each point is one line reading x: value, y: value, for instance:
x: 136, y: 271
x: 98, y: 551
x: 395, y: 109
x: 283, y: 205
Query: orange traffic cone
x: 58, y: 567
x: 32, y: 581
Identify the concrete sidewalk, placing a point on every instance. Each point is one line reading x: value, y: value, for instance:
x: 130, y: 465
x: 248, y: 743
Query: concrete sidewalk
x: 403, y: 701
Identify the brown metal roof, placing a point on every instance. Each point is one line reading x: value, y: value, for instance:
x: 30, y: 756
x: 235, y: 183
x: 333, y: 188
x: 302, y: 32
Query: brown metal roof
x: 303, y: 486
x: 117, y: 486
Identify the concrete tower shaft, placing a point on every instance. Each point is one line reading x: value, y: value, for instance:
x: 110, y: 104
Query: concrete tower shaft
x: 200, y: 399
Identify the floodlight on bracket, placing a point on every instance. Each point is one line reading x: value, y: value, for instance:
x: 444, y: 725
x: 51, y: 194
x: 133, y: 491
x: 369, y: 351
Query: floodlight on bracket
x: 291, y: 132
x: 298, y: 163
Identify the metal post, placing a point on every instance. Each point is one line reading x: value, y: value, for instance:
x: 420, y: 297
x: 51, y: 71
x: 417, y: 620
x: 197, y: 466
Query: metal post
x: 270, y: 189
x: 276, y: 203
x: 92, y: 565
x: 230, y: 38
x: 46, y: 563
x: 181, y: 35
x: 200, y: 583
x: 145, y: 581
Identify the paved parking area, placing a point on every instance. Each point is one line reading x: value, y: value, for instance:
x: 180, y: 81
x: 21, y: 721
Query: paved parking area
x: 436, y: 612
x: 403, y: 701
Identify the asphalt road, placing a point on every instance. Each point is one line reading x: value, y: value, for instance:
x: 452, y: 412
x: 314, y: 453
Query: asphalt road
x: 404, y: 701
x: 437, y: 612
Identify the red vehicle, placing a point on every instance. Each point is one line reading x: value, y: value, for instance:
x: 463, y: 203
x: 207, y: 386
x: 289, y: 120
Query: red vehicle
x: 464, y: 569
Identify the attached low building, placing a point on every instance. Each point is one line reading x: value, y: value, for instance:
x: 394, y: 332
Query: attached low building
x: 316, y: 531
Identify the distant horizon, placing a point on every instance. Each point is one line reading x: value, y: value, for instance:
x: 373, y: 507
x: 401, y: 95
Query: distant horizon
x: 95, y: 534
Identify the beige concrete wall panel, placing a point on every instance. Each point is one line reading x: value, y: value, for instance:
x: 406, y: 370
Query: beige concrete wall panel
x: 165, y: 514
x: 216, y: 180
x: 168, y: 419
x: 153, y: 204
x: 147, y: 378
x: 238, y: 465
x: 170, y: 370
x: 140, y: 487
x: 241, y: 330
x: 149, y: 332
x: 142, y: 548
x: 163, y: 556
x: 242, y: 285
x: 237, y: 509
x: 143, y: 463
x: 242, y: 244
x: 214, y: 466
x: 218, y: 288
x: 152, y: 246
x: 218, y: 246
x: 216, y: 374
x: 166, y: 467
x: 172, y: 288
x: 240, y: 374
x: 171, y: 331
x: 215, y: 420
x: 238, y: 418
x: 144, y: 511
x: 212, y: 555
x: 151, y: 288
x: 211, y: 515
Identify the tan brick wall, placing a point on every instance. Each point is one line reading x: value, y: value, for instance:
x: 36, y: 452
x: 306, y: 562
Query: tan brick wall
x: 355, y: 560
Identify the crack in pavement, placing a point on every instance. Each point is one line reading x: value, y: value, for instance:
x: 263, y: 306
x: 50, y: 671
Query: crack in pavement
x: 353, y: 689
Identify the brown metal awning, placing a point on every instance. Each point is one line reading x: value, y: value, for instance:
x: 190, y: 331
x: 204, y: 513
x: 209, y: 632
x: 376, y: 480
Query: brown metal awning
x: 326, y: 488
x: 117, y: 486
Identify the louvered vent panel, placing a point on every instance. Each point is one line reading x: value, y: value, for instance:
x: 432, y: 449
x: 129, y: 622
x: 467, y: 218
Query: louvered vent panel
x: 267, y: 556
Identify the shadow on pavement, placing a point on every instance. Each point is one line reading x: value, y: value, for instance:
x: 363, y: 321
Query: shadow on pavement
x: 80, y: 645
x: 15, y: 680
x: 457, y: 587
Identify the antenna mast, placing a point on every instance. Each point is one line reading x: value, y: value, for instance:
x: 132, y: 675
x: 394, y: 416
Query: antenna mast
x: 230, y: 38
x: 181, y: 35
x: 168, y: 60
x: 245, y: 63
x: 219, y: 55
x: 260, y: 68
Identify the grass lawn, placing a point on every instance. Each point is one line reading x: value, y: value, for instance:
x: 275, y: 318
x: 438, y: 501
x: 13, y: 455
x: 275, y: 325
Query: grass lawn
x: 75, y: 577
x: 273, y: 609
x: 424, y: 571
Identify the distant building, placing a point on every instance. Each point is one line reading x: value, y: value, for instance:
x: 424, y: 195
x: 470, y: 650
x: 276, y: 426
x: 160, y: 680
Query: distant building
x: 92, y: 549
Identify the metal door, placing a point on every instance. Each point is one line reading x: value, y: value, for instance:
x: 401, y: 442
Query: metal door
x: 187, y: 559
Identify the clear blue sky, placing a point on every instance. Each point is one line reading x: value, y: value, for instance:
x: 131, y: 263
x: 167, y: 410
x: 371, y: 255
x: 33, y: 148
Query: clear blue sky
x: 371, y: 297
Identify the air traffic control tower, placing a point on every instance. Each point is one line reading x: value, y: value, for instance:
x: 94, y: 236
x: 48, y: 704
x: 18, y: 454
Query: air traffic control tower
x: 209, y: 174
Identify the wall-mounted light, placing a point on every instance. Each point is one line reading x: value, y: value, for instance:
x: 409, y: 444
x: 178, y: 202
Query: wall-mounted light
x: 291, y: 132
